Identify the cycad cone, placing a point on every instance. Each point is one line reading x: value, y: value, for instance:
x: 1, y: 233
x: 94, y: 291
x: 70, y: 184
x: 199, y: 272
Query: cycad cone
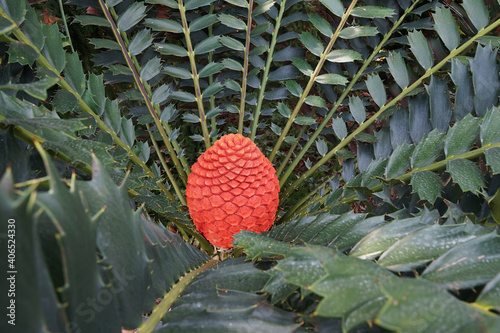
x: 232, y: 187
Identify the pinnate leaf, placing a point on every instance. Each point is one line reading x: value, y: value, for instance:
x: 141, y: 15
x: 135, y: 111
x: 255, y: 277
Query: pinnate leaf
x: 163, y: 25
x: 183, y: 96
x: 399, y: 161
x: 339, y: 127
x: 321, y: 147
x: 232, y: 22
x: 398, y: 69
x: 485, y: 78
x: 193, y: 4
x: 440, y: 106
x: 379, y: 240
x: 427, y: 185
x: 490, y: 295
x: 127, y: 132
x: 232, y: 64
x: 424, y: 246
x: 321, y: 24
x: 358, y: 31
x: 461, y: 136
x: 161, y: 94
x: 53, y: 48
x: 210, y: 69
x: 178, y: 72
x: 232, y: 43
x: 133, y: 15
x: 420, y: 48
x: 22, y: 54
x: 171, y: 49
x: 284, y: 110
x: 101, y: 43
x: 213, y: 113
x: 468, y: 264
x: 276, y: 129
x: 464, y: 96
x: 376, y: 89
x: 334, y: 79
x: 294, y: 88
x: 207, y: 45
x: 233, y: 85
x: 151, y: 69
x: 283, y: 73
x: 304, y: 120
x: 202, y: 22
x: 140, y: 42
x: 490, y: 127
x: 478, y: 13
x: 212, y: 89
x: 493, y: 159
x: 343, y: 55
x: 357, y: 109
x: 432, y: 316
x: 73, y: 73
x: 315, y: 101
x: 311, y: 43
x: 466, y: 174
x: 263, y: 8
x: 302, y: 66
x: 288, y: 53
x: 16, y: 10
x: 427, y: 149
x: 372, y: 12
x: 335, y: 6
x: 92, y: 20
x: 37, y: 89
x: 191, y: 118
x: 446, y: 27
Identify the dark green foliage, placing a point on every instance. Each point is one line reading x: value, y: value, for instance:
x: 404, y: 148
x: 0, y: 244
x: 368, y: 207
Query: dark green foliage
x: 137, y: 259
x: 382, y: 121
x: 393, y: 302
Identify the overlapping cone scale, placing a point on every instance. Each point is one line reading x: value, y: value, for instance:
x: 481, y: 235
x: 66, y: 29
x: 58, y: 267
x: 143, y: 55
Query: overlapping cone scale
x: 232, y: 187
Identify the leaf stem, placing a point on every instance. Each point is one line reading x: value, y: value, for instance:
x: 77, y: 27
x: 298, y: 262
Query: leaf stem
x: 194, y: 72
x: 166, y: 168
x: 149, y: 92
x: 63, y: 17
x: 245, y: 69
x: 265, y: 75
x: 43, y: 62
x: 385, y: 107
x: 290, y: 212
x: 290, y: 152
x: 470, y: 155
x: 170, y: 297
x: 346, y: 91
x: 140, y: 86
x: 211, y: 99
x: 312, y: 78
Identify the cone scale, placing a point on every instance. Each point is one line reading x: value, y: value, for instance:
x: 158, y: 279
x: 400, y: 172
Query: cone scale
x: 232, y: 187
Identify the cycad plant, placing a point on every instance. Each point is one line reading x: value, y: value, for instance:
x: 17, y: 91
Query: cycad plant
x: 381, y: 119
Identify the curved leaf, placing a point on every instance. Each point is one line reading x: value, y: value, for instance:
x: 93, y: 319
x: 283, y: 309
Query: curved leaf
x: 467, y: 265
x: 466, y: 174
x: 133, y: 15
x: 427, y: 185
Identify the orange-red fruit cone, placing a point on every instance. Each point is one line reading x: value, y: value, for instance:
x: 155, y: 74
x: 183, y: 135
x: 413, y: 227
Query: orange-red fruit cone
x: 232, y: 187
